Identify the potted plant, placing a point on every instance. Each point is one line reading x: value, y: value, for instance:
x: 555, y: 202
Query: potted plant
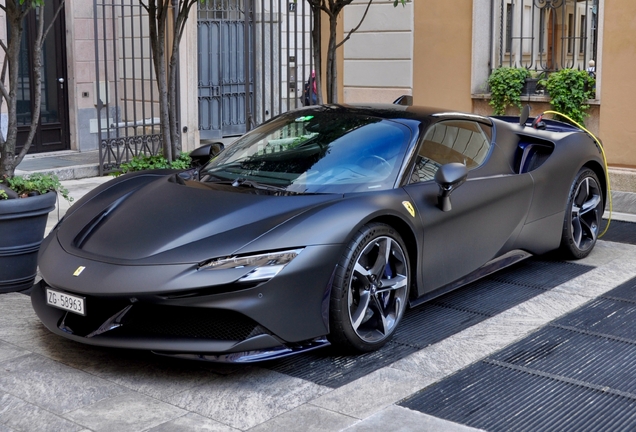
x: 506, y: 85
x: 24, y: 202
x: 569, y: 90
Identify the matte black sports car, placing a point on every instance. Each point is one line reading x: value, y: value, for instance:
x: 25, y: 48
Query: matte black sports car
x: 320, y: 226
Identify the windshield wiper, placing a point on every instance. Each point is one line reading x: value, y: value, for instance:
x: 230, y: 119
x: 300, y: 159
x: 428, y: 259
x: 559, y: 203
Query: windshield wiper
x: 256, y: 185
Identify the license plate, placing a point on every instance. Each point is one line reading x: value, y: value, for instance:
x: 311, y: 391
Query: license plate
x: 65, y: 301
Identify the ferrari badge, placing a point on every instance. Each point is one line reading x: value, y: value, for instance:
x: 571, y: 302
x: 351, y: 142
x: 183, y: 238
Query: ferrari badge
x: 409, y: 207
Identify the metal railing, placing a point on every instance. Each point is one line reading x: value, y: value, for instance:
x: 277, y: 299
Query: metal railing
x: 126, y: 90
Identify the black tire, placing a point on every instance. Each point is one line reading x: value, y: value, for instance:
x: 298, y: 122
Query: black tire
x: 370, y: 289
x: 583, y: 215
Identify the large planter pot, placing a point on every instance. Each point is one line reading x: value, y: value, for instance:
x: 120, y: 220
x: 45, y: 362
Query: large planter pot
x: 22, y: 225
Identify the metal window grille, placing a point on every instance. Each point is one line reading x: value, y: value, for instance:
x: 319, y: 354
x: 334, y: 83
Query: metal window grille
x: 544, y: 35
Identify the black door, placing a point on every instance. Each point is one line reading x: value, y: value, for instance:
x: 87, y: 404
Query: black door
x: 52, y: 133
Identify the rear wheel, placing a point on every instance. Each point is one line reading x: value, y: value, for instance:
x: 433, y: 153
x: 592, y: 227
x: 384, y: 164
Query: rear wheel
x: 370, y: 290
x: 583, y: 216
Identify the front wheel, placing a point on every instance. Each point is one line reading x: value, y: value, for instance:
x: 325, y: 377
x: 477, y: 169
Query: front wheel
x: 370, y: 290
x: 582, y: 216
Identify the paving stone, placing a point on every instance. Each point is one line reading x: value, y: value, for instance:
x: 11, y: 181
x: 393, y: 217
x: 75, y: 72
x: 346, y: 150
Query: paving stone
x: 372, y: 393
x: 18, y: 321
x: 246, y: 399
x: 128, y: 412
x: 307, y: 418
x: 51, y: 385
x: 9, y: 351
x: 192, y: 422
x: 153, y: 376
x: 398, y: 419
x: 17, y: 414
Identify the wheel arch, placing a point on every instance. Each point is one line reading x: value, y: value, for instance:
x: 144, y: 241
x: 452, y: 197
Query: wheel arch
x: 600, y: 173
x: 410, y: 241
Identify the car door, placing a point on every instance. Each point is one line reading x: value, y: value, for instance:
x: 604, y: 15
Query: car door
x: 488, y: 210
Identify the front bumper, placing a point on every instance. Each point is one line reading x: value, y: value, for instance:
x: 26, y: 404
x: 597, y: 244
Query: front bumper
x: 284, y: 315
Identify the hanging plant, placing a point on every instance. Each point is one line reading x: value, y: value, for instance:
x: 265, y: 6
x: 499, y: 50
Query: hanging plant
x: 506, y: 85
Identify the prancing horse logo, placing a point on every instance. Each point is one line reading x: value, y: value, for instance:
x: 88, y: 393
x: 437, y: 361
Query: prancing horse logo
x: 79, y: 271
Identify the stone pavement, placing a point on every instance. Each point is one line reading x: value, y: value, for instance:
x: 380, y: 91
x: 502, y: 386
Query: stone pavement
x: 50, y: 383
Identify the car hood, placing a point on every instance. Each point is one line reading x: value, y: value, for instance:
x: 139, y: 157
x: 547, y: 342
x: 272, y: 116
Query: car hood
x: 160, y: 220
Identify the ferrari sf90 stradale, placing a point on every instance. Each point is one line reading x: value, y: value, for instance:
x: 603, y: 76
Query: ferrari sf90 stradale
x: 318, y: 227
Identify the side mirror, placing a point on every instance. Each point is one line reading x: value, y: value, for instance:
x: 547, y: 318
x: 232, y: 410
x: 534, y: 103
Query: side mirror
x: 406, y: 100
x: 449, y: 177
x: 202, y: 155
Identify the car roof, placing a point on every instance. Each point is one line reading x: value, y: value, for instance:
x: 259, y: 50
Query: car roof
x: 394, y: 111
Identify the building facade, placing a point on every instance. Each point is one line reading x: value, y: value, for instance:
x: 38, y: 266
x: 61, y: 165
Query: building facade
x: 456, y: 43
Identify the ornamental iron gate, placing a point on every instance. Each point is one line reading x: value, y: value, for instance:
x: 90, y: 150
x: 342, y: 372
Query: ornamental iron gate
x: 126, y: 93
x: 253, y: 59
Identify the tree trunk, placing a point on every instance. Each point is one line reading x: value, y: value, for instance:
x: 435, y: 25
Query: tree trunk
x: 332, y: 63
x: 157, y: 14
x: 317, y: 48
x: 16, y: 13
x: 7, y: 151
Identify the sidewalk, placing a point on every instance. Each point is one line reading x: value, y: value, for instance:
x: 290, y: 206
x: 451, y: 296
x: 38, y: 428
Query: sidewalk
x: 67, y: 165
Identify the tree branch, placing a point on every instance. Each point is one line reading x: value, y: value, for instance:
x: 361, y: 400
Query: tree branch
x: 353, y: 30
x: 57, y: 12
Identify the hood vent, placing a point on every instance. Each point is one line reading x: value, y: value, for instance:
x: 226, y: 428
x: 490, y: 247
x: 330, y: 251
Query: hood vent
x: 92, y: 226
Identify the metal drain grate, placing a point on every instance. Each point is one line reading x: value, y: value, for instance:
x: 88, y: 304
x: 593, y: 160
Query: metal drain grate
x: 593, y: 359
x: 435, y: 321
x: 329, y: 369
x: 604, y: 316
x: 539, y: 274
x: 621, y: 232
x: 499, y: 398
x: 488, y: 297
x: 626, y: 291
x: 575, y: 374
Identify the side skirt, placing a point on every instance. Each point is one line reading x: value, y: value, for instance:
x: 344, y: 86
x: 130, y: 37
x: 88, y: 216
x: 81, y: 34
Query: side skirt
x: 490, y: 267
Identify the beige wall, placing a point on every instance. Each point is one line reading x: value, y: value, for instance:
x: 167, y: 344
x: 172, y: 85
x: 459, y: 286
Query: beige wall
x: 442, y: 53
x: 378, y: 59
x: 618, y: 98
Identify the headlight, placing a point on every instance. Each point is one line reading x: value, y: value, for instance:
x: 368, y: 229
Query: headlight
x: 260, y: 267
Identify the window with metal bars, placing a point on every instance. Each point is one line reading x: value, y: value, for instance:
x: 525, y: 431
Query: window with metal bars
x: 544, y: 35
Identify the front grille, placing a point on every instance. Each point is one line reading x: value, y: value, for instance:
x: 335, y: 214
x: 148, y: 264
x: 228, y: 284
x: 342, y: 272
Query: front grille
x: 147, y: 320
x: 187, y: 322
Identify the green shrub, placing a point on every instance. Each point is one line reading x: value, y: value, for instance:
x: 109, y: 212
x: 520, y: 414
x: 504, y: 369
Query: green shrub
x: 143, y: 162
x: 37, y: 183
x: 506, y: 85
x: 570, y: 90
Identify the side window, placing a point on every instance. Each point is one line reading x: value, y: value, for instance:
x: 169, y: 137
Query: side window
x: 462, y: 141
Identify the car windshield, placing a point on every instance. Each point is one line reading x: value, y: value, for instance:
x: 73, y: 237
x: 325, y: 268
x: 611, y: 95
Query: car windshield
x: 317, y: 151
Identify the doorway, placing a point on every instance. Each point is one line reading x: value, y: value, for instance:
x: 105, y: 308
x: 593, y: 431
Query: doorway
x: 52, y: 133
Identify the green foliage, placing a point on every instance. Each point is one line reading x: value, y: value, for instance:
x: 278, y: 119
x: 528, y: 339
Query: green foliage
x: 569, y: 91
x: 3, y: 195
x: 506, y: 85
x: 36, y: 183
x: 143, y: 162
